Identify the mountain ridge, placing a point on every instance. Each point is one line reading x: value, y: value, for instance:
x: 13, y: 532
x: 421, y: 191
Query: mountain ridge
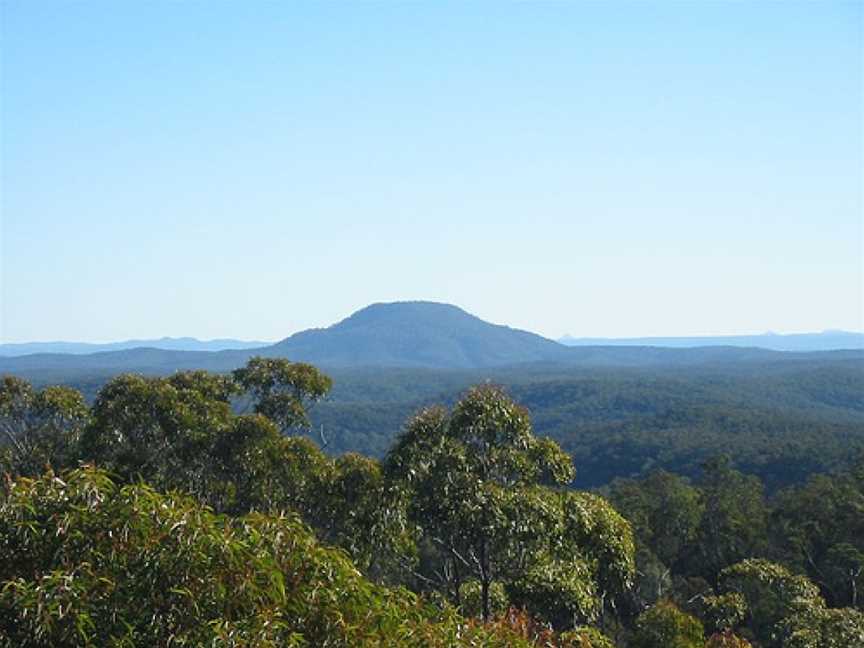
x: 828, y: 340
x: 415, y: 334
x: 184, y: 343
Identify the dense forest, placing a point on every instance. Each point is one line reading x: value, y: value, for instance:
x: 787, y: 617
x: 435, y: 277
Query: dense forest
x: 782, y: 421
x: 199, y: 509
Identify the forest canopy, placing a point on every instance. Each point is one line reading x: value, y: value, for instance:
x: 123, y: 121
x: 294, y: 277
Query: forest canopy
x: 197, y: 508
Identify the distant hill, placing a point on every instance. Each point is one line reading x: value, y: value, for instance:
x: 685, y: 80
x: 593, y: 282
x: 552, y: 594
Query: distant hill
x: 417, y: 334
x: 165, y: 343
x: 824, y: 341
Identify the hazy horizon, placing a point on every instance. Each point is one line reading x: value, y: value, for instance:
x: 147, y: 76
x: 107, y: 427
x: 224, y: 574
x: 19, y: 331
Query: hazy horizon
x: 247, y: 171
x: 559, y: 337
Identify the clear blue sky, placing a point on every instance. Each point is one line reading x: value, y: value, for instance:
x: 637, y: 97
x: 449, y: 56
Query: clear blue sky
x: 250, y: 169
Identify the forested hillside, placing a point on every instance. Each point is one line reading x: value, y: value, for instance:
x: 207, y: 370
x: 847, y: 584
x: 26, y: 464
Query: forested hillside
x: 780, y: 421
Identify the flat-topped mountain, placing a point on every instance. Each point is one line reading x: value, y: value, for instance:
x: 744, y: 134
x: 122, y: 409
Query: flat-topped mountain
x: 417, y: 334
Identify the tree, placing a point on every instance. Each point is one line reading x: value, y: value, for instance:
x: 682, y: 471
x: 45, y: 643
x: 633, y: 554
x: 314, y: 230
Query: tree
x: 482, y: 495
x: 820, y: 627
x: 160, y: 429
x: 180, y: 432
x: 734, y: 524
x: 38, y: 428
x: 772, y: 595
x: 819, y: 529
x: 366, y: 517
x: 665, y: 626
x: 283, y: 391
x: 787, y: 610
x: 665, y: 512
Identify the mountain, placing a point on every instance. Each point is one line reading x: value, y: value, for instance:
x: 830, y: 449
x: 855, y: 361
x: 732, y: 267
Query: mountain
x: 165, y: 343
x: 824, y: 341
x: 417, y: 334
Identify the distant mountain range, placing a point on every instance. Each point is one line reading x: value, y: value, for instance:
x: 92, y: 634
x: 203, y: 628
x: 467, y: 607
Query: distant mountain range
x: 824, y: 341
x: 425, y: 335
x: 444, y: 330
x: 167, y: 343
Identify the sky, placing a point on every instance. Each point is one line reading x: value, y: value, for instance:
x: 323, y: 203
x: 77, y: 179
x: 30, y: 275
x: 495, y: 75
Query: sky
x: 251, y: 169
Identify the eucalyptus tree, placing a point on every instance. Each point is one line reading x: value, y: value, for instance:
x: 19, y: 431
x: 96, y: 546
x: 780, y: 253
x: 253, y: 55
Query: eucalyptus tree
x: 734, y: 523
x: 665, y: 626
x: 787, y: 609
x: 160, y: 429
x: 665, y: 512
x: 181, y: 431
x: 38, y: 428
x: 281, y: 390
x: 486, y: 497
x: 819, y: 529
x: 85, y: 561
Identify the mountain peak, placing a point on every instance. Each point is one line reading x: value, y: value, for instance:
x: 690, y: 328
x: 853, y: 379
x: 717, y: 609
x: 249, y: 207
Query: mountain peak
x: 406, y: 312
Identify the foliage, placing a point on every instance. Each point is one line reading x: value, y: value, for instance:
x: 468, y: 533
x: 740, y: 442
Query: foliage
x: 787, y: 609
x: 366, y: 517
x: 781, y: 420
x: 735, y: 519
x: 562, y: 592
x: 158, y: 429
x: 665, y: 512
x: 726, y: 611
x: 470, y: 594
x: 726, y: 639
x: 772, y: 594
x: 85, y: 562
x: 818, y: 627
x: 521, y: 626
x: 181, y: 432
x: 587, y: 637
x: 819, y: 529
x: 38, y: 428
x: 283, y: 391
x: 475, y: 481
x: 665, y: 626
x: 470, y: 508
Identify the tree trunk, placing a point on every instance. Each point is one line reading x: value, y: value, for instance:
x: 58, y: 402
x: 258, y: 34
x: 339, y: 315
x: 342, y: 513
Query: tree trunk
x: 484, y: 581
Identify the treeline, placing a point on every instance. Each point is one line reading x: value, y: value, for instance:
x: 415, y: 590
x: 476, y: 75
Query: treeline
x: 188, y: 510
